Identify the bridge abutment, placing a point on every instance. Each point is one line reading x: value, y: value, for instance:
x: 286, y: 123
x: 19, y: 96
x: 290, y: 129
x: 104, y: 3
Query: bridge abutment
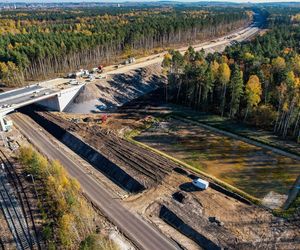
x: 56, y: 100
x: 60, y: 101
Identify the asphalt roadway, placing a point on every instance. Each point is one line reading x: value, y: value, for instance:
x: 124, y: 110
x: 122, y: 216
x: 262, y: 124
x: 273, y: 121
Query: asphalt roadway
x: 26, y: 97
x: 20, y: 91
x: 18, y: 97
x: 141, y: 233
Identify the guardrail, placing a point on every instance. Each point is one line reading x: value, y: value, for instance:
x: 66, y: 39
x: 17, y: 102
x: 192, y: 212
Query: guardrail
x: 30, y: 91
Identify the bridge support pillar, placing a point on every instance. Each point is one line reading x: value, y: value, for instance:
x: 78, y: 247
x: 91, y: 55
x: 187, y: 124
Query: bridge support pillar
x: 2, y: 124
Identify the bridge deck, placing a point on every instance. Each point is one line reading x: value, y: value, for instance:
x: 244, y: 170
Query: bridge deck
x: 16, y: 92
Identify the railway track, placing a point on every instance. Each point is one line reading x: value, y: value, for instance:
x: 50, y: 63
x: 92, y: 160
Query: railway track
x: 24, y: 213
x: 14, y: 215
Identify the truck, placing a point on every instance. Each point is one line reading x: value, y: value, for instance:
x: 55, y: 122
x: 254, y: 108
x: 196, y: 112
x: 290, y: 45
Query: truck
x: 95, y: 70
x: 129, y: 60
x: 90, y: 78
x: 200, y: 183
x: 78, y: 74
x: 73, y: 82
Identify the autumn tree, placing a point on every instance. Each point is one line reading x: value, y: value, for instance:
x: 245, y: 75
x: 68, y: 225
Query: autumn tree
x: 265, y: 69
x: 253, y: 93
x: 69, y: 218
x: 214, y: 66
x: 46, y: 42
x: 278, y: 64
x: 167, y: 62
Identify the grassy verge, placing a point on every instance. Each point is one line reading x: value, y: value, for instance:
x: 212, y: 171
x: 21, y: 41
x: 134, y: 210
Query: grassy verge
x: 130, y: 137
x: 96, y: 242
x: 67, y: 217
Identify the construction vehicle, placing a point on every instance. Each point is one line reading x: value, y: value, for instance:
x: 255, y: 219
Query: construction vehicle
x: 100, y: 68
x: 94, y: 70
x: 129, y: 60
x: 103, y: 118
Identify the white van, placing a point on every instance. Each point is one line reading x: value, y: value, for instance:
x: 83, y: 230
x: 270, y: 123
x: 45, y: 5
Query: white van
x: 200, y: 183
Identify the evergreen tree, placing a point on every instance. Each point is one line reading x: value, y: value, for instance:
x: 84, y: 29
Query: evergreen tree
x: 236, y: 85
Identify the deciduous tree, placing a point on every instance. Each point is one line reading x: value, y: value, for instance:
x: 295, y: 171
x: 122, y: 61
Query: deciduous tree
x: 253, y: 93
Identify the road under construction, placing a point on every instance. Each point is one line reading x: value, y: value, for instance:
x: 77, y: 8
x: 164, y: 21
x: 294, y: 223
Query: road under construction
x: 143, y: 234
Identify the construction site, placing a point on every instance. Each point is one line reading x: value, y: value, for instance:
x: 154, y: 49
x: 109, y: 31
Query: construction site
x: 136, y: 160
x: 148, y: 184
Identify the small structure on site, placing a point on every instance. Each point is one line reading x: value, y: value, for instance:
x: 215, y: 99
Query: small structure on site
x: 6, y: 124
x: 200, y: 183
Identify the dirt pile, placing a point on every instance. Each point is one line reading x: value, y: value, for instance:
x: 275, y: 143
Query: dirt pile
x: 87, y: 93
x: 172, y: 219
x: 189, y: 216
x: 210, y: 215
x: 107, y: 94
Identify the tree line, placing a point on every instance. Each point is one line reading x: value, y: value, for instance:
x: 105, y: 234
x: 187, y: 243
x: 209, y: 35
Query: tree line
x: 38, y: 44
x: 68, y: 220
x: 256, y: 81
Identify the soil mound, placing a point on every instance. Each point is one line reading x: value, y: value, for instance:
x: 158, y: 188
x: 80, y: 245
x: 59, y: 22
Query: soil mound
x: 88, y: 93
x: 117, y: 90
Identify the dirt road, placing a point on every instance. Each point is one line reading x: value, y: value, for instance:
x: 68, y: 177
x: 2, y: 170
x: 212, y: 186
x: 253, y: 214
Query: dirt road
x: 216, y: 45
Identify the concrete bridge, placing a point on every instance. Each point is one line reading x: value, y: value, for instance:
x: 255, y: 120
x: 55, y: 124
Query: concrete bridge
x: 55, y: 95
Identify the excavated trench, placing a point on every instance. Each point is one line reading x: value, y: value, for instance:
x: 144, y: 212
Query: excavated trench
x: 173, y: 220
x: 90, y: 154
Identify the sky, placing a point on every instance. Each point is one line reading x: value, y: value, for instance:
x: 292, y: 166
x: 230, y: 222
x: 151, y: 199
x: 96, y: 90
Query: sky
x: 237, y: 1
